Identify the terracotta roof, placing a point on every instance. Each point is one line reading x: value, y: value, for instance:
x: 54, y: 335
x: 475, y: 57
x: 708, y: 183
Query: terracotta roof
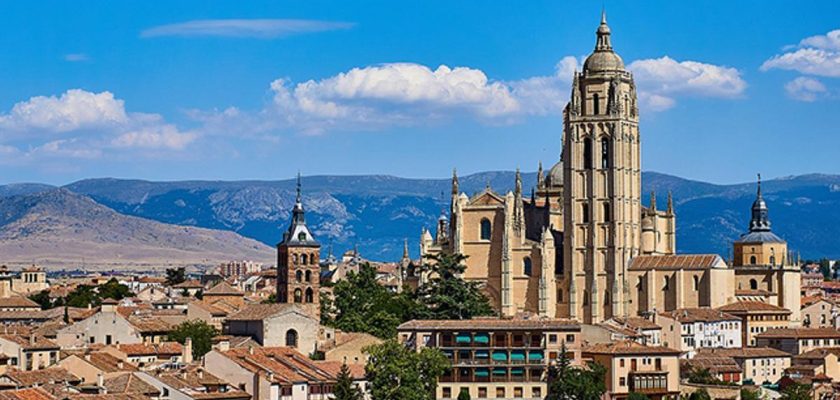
x: 753, y: 292
x: 41, y: 376
x: 210, y: 308
x: 811, y: 300
x: 31, y: 342
x: 818, y: 354
x: 743, y: 352
x: 688, y: 315
x: 147, y: 324
x: 146, y: 349
x: 109, y: 396
x: 357, y: 371
x: 26, y: 394
x: 256, y: 312
x: 189, y: 284
x: 193, y: 380
x: 627, y: 347
x: 752, y: 306
x: 128, y: 383
x: 800, y: 333
x: 223, y: 289
x: 279, y: 364
x: 107, y: 363
x: 636, y: 323
x: 489, y: 324
x: 18, y: 302
x: 677, y: 261
x: 715, y: 365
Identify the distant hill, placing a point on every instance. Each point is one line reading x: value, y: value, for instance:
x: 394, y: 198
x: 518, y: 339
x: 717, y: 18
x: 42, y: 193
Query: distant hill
x: 377, y: 212
x: 56, y: 227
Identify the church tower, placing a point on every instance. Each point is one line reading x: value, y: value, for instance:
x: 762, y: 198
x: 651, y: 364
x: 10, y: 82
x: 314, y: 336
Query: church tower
x: 602, y: 184
x: 298, y: 258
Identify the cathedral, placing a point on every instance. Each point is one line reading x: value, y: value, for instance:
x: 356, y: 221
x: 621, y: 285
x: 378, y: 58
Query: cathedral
x: 568, y: 249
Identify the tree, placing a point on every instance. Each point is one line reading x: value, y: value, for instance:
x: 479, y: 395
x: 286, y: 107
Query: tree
x: 637, y: 396
x: 464, y: 395
x: 700, y: 394
x: 796, y: 391
x: 396, y: 372
x: 43, y: 299
x: 201, y: 334
x: 83, y: 296
x: 747, y: 394
x: 113, y: 289
x: 175, y: 276
x: 446, y: 295
x: 575, y: 383
x: 344, y: 388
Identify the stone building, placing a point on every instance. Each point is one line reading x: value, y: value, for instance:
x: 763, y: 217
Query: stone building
x: 298, y: 258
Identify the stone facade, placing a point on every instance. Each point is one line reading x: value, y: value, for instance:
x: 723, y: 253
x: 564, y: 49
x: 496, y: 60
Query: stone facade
x: 298, y: 261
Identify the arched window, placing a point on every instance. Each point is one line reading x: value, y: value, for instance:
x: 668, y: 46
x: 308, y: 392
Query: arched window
x: 585, y: 212
x: 665, y: 284
x: 309, y: 295
x: 559, y: 295
x: 299, y: 276
x: 586, y: 297
x: 772, y: 260
x: 641, y: 284
x: 752, y: 260
x: 298, y: 295
x: 309, y: 276
x: 303, y: 259
x: 696, y: 283
x: 587, y: 153
x: 526, y: 266
x: 291, y: 338
x: 605, y: 153
x: 607, y: 215
x: 596, y: 104
x: 294, y: 259
x: 753, y: 284
x: 486, y: 229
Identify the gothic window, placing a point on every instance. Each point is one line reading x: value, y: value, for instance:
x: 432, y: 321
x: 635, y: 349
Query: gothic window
x: 665, y: 285
x: 752, y: 260
x: 526, y: 266
x: 605, y: 153
x: 294, y: 259
x: 291, y: 338
x: 587, y: 153
x: 753, y: 284
x: 486, y: 229
x: 299, y: 276
x: 298, y: 295
x: 696, y: 283
x: 607, y: 212
x: 303, y: 259
x: 302, y: 236
x: 309, y: 276
x: 586, y: 297
x: 309, y: 295
x: 585, y: 212
x: 596, y: 104
x: 627, y: 104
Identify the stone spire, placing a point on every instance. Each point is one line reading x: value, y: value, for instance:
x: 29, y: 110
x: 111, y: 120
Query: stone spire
x: 670, y: 203
x: 297, y: 213
x: 603, y: 43
x: 518, y: 188
x: 760, y: 221
x: 540, y: 176
x: 298, y: 233
x: 405, y: 249
x: 518, y: 210
x: 652, y: 201
x: 455, y: 186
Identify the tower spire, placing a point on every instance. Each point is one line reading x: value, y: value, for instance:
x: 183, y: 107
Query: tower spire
x: 405, y: 249
x: 652, y: 200
x: 760, y: 220
x: 603, y: 43
x: 670, y: 203
x: 455, y: 184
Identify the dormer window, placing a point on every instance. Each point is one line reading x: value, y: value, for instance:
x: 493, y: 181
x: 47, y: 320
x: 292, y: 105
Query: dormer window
x: 302, y: 236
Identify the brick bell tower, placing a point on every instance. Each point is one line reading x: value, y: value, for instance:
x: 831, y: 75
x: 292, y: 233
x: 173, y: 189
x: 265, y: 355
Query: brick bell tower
x: 298, y: 259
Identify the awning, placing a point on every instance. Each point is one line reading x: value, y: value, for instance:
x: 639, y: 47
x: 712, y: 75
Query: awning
x: 517, y: 371
x: 535, y: 355
x: 482, y: 354
x: 499, y: 371
x: 482, y: 372
x: 463, y: 338
x: 483, y: 338
x: 499, y: 356
x: 517, y: 355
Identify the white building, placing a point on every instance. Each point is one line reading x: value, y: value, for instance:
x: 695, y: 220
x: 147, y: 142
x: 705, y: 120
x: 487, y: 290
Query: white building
x: 688, y: 329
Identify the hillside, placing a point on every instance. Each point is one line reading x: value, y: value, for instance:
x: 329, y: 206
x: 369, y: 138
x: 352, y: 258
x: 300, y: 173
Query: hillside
x: 57, y: 227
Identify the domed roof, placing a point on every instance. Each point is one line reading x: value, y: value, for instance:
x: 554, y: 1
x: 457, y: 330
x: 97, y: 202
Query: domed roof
x: 555, y: 175
x: 601, y: 61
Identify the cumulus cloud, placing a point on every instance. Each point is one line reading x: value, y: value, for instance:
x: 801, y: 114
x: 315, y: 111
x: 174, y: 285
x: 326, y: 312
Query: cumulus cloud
x: 240, y: 28
x: 805, y: 89
x: 82, y: 124
x: 660, y: 80
x: 816, y: 55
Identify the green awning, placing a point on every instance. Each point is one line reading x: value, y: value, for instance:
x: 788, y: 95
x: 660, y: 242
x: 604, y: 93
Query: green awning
x: 463, y: 338
x: 482, y: 338
x: 482, y: 354
x: 517, y: 355
x: 517, y: 371
x: 499, y: 371
x: 482, y: 372
x: 535, y: 355
x: 499, y: 356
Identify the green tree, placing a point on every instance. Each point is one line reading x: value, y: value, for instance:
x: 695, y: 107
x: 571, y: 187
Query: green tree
x: 637, y: 396
x: 575, y: 383
x: 43, y: 299
x: 175, y: 276
x: 201, y: 334
x: 464, y: 394
x: 83, y: 296
x: 113, y: 289
x: 396, y: 372
x: 344, y: 388
x: 700, y: 394
x: 747, y: 394
x: 446, y: 295
x: 796, y: 391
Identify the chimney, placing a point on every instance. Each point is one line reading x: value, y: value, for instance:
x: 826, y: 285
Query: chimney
x: 251, y: 350
x: 87, y: 356
x: 200, y: 373
x: 223, y: 345
x: 31, y: 338
x: 186, y: 354
x: 120, y: 364
x: 100, y: 380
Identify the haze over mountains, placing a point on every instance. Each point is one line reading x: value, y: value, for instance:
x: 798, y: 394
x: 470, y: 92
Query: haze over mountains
x: 98, y: 218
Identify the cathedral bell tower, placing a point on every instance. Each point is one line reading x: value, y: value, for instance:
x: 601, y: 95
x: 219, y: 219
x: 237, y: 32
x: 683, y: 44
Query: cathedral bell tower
x: 602, y: 184
x: 298, y: 261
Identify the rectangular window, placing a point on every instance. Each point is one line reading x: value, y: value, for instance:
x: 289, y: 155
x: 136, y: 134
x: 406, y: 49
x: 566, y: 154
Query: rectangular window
x: 517, y: 392
x: 570, y: 338
x: 500, y: 392
x: 482, y: 392
x: 446, y: 392
x: 536, y: 392
x: 552, y: 338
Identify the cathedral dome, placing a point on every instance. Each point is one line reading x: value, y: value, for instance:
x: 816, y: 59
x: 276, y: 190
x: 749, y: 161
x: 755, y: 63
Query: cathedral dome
x: 555, y: 175
x: 601, y: 61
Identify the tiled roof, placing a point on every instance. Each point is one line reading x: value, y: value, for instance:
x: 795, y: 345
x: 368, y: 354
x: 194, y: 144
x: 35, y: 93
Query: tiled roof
x: 26, y: 394
x: 677, y: 261
x: 743, y: 352
x: 107, y: 363
x: 800, y: 333
x: 128, y: 383
x: 31, y: 342
x: 189, y: 284
x: 688, y: 315
x: 752, y: 306
x: 280, y: 364
x: 147, y: 324
x: 627, y: 347
x: 18, y: 302
x: 715, y: 365
x: 819, y: 353
x: 210, y: 308
x: 146, y: 349
x: 635, y: 322
x: 40, y: 377
x: 256, y: 312
x: 477, y: 324
x: 223, y: 289
x: 357, y: 371
x: 193, y: 380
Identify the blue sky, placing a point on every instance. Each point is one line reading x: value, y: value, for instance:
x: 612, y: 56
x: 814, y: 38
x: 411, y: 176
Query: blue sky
x: 259, y: 90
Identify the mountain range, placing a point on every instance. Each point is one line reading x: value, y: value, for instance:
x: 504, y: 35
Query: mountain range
x: 374, y: 213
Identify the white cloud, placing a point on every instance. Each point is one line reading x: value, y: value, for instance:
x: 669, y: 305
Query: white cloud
x: 805, y: 89
x: 81, y: 124
x: 660, y: 80
x: 816, y: 55
x: 76, y: 57
x: 239, y: 28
